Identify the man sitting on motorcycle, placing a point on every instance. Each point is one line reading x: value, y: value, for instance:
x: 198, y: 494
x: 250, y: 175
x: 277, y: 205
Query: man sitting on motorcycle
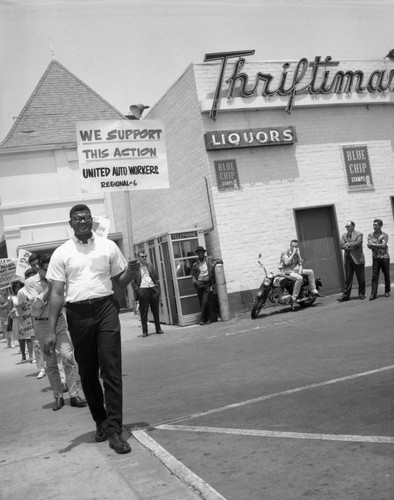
x: 291, y: 265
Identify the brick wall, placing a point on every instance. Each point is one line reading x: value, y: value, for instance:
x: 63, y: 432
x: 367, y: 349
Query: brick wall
x: 185, y: 205
x: 275, y: 180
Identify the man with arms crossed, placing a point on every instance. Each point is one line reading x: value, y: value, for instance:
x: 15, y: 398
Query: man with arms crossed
x: 352, y: 244
x: 83, y: 268
x: 378, y: 243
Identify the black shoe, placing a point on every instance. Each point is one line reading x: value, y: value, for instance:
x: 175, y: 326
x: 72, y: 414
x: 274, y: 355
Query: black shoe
x: 65, y: 387
x: 58, y: 405
x: 342, y: 299
x: 117, y: 443
x: 387, y: 294
x: 101, y: 432
x: 159, y: 332
x: 78, y: 402
x: 208, y: 322
x: 293, y: 303
x: 144, y: 334
x: 361, y: 297
x: 372, y: 297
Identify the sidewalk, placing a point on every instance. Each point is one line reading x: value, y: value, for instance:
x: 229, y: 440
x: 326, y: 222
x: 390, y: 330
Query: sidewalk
x: 46, y: 454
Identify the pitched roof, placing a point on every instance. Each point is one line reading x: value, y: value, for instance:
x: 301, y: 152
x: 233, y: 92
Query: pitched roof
x: 58, y: 101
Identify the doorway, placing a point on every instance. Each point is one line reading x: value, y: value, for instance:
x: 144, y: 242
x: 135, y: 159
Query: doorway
x: 319, y: 245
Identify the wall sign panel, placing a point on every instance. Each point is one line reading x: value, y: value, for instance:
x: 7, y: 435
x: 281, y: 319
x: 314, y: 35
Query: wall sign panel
x: 357, y: 167
x: 227, y: 175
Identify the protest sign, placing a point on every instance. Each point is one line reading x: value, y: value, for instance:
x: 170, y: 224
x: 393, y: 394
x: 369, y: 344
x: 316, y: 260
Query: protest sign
x: 22, y: 264
x: 25, y: 319
x: 101, y: 226
x: 122, y: 155
x: 7, y: 272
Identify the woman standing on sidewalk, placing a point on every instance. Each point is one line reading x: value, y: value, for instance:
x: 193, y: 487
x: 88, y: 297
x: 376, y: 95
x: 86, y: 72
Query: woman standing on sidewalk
x: 18, y: 331
x: 4, y: 316
x: 13, y: 314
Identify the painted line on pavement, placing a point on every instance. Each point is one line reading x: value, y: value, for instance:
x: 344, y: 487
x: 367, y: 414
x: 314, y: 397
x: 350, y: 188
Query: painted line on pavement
x: 259, y: 327
x: 278, y: 434
x: 282, y: 393
x: 176, y: 467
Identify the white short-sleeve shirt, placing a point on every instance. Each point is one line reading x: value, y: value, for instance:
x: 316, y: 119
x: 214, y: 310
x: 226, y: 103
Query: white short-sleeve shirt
x: 86, y: 269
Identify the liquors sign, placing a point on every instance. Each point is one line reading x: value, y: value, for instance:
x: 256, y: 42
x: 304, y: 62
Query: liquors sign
x: 249, y: 138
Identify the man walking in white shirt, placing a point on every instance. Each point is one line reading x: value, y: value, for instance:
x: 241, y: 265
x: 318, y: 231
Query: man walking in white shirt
x: 83, y: 269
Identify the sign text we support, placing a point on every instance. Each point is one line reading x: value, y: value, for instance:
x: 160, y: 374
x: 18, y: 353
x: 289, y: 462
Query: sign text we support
x: 122, y: 155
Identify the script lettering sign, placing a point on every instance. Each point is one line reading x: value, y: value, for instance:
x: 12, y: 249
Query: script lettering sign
x: 306, y: 77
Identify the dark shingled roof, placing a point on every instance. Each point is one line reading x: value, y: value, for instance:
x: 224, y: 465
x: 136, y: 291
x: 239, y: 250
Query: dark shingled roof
x: 48, y: 119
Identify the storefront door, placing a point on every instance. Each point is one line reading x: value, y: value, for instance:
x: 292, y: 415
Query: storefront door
x: 319, y: 245
x: 168, y: 289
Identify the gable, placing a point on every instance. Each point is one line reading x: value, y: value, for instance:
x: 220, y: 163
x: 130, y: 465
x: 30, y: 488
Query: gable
x: 49, y: 116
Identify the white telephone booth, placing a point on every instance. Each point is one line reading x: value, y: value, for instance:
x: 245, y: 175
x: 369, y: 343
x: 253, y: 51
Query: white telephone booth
x: 173, y: 254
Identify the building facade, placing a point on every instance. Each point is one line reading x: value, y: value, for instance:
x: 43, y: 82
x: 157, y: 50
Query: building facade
x: 260, y: 153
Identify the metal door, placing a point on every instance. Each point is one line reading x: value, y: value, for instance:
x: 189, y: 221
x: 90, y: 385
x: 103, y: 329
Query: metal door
x: 319, y: 245
x: 165, y: 263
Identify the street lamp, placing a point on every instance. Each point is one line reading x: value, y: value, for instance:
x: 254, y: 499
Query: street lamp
x: 390, y: 55
x: 136, y: 111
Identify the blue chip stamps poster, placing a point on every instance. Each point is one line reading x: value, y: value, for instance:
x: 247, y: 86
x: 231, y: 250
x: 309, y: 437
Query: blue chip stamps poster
x: 357, y: 167
x: 121, y: 155
x: 227, y: 175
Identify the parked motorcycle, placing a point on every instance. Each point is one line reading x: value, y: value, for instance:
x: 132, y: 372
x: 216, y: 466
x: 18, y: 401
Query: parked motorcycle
x: 278, y: 288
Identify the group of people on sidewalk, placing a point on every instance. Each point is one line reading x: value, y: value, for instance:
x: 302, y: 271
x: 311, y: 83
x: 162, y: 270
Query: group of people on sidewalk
x: 75, y: 313
x: 146, y: 286
x: 70, y: 298
x: 28, y: 323
x: 14, y: 328
x: 352, y: 245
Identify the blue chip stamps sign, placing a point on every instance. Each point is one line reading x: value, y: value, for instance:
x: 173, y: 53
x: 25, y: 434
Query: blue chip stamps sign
x: 358, y: 168
x: 122, y: 155
x: 227, y: 175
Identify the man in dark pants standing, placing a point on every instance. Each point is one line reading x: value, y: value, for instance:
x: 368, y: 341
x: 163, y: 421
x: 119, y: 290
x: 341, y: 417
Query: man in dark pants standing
x: 378, y: 243
x: 352, y: 243
x: 145, y: 282
x: 83, y: 268
x: 201, y: 279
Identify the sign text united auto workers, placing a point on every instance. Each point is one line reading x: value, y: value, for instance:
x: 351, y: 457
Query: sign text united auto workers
x: 121, y: 155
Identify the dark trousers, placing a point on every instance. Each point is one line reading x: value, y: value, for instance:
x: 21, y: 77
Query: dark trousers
x: 95, y: 332
x: 377, y: 265
x: 149, y: 297
x: 350, y: 269
x: 202, y: 289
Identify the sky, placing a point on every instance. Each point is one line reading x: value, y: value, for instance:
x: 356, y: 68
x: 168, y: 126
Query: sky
x: 132, y: 51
